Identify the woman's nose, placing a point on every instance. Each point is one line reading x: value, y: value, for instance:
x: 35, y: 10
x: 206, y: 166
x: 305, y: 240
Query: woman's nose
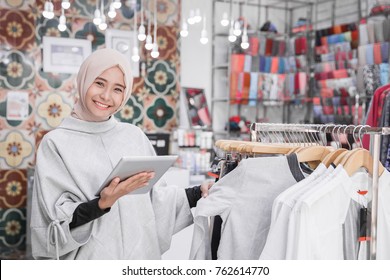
x: 105, y: 94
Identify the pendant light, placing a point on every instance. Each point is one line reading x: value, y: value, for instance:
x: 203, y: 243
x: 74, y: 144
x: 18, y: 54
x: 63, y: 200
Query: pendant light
x: 225, y: 19
x: 112, y: 12
x: 203, y: 34
x: 135, y: 55
x: 102, y: 24
x: 232, y: 38
x: 117, y: 4
x: 149, y: 39
x: 184, y: 29
x: 141, y: 30
x: 48, y: 11
x: 97, y: 15
x: 62, y: 21
x: 65, y: 4
x: 155, y: 52
x: 244, y: 38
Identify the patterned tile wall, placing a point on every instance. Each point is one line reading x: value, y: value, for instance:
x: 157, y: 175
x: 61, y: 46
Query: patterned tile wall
x: 153, y: 105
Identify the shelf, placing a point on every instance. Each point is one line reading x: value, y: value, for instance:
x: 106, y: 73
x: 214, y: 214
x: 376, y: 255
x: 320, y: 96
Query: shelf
x: 221, y: 66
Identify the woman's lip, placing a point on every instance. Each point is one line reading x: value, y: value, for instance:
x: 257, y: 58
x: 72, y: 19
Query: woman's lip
x: 101, y: 105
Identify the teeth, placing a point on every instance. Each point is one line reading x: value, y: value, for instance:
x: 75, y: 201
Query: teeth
x: 101, y: 105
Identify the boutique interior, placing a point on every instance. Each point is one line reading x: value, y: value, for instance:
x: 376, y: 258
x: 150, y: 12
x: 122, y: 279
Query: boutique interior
x: 214, y: 81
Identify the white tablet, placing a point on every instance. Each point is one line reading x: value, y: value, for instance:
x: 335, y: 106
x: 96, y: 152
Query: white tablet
x: 129, y: 166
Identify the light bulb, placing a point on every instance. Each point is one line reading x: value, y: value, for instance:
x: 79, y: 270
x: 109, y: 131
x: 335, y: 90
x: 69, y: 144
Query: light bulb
x: 244, y: 45
x: 224, y: 20
x: 197, y: 17
x: 141, y: 33
x: 97, y: 19
x: 65, y: 4
x: 191, y: 19
x: 155, y: 52
x: 184, y: 29
x: 61, y: 27
x: 117, y: 4
x: 135, y: 57
x: 203, y: 37
x: 103, y: 24
x: 237, y: 29
x: 111, y: 13
x: 183, y: 33
x: 149, y: 43
x: 232, y: 38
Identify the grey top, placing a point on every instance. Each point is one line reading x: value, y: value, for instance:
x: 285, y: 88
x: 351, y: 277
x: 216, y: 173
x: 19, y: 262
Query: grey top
x: 72, y: 161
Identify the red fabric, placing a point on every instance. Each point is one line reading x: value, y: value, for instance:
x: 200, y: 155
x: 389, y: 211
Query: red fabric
x: 377, y: 53
x: 268, y: 47
x: 372, y: 115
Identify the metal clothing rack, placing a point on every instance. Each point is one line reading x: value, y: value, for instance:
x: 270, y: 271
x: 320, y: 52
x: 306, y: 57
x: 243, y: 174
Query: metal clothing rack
x: 375, y: 136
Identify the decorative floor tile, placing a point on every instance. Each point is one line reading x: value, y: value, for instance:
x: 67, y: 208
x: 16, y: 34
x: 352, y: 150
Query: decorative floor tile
x: 18, y: 72
x: 13, y: 188
x: 18, y: 28
x: 52, y: 108
x: 13, y: 228
x: 15, y: 4
x: 161, y: 78
x: 160, y: 113
x: 16, y: 149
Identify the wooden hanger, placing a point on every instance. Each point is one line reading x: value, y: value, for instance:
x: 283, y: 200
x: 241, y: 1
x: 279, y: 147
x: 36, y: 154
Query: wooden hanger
x: 330, y: 158
x: 312, y: 153
x: 361, y: 159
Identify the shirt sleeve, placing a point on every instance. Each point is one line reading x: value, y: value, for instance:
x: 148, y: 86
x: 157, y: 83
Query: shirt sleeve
x: 87, y: 212
x: 193, y: 195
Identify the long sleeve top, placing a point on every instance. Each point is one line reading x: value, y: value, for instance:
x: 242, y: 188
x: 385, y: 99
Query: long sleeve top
x: 72, y: 161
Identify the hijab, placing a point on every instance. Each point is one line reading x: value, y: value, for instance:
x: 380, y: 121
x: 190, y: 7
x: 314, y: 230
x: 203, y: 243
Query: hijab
x: 93, y: 66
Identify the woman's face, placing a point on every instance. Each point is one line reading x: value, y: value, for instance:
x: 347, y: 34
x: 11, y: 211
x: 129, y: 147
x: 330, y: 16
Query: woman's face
x: 105, y: 94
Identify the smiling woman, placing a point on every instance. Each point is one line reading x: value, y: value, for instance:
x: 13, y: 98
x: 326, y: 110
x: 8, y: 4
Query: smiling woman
x: 69, y: 221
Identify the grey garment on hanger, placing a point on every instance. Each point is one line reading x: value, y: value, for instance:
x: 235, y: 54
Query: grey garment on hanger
x: 359, y: 81
x: 363, y: 34
x: 378, y: 30
x: 386, y: 30
x: 371, y: 32
x: 362, y: 55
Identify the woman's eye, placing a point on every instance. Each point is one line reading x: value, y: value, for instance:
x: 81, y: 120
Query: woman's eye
x: 119, y: 90
x: 99, y: 83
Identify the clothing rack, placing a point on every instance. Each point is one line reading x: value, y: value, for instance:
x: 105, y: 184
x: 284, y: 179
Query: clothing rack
x: 375, y: 136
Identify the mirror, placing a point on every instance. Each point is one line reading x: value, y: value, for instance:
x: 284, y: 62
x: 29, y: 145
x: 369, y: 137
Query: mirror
x: 198, y: 111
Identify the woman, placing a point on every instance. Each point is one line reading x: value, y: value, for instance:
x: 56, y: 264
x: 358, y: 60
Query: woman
x: 68, y: 221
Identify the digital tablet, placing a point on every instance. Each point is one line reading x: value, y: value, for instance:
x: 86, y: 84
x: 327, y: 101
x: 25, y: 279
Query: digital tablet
x: 129, y: 166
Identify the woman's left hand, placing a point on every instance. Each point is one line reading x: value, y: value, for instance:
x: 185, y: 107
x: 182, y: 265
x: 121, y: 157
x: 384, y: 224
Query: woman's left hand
x: 204, y: 188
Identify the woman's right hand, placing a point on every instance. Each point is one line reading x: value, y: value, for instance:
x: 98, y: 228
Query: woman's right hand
x: 110, y: 194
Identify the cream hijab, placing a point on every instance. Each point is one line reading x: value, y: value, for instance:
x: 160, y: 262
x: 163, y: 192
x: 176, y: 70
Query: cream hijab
x: 94, y: 65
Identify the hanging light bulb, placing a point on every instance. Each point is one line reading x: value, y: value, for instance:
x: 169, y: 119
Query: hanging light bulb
x: 62, y: 22
x: 111, y: 13
x: 203, y: 34
x: 184, y: 29
x: 237, y: 28
x: 155, y: 52
x: 232, y: 38
x: 197, y: 17
x: 141, y: 33
x: 97, y: 15
x: 244, y: 38
x: 48, y: 11
x: 225, y: 20
x: 65, y: 4
x: 149, y: 42
x: 141, y: 29
x: 135, y: 57
x: 149, y: 39
x: 103, y: 24
x: 191, y: 19
x: 117, y: 4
